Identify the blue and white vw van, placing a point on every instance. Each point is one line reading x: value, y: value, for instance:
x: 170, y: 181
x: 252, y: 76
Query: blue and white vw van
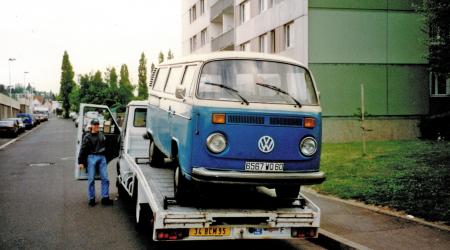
x: 236, y: 118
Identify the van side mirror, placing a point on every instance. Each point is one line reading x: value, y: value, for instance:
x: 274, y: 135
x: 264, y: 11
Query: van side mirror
x: 180, y: 92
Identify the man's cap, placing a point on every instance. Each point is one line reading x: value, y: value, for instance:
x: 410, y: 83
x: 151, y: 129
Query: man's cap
x: 95, y: 121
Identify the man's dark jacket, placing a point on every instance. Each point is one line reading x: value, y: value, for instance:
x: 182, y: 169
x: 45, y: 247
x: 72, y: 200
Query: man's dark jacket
x: 92, y: 144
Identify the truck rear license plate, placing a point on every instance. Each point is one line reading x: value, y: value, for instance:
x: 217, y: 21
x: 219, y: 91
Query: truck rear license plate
x: 210, y: 231
x: 255, y: 166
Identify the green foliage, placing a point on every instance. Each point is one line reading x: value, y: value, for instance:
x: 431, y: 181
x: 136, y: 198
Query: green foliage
x: 406, y: 175
x: 74, y: 98
x: 142, y: 74
x: 111, y: 79
x: 125, y: 86
x: 169, y: 55
x: 160, y: 57
x: 66, y: 83
x: 437, y: 19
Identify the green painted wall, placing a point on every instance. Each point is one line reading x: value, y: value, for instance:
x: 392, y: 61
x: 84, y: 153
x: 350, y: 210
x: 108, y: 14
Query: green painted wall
x: 389, y: 89
x: 365, y: 4
x: 361, y: 41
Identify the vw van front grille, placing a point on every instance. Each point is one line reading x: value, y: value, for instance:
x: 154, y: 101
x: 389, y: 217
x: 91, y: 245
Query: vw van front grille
x: 246, y: 119
x: 285, y: 121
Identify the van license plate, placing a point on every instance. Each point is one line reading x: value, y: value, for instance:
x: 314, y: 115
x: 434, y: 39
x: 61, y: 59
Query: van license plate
x: 210, y: 231
x: 255, y: 166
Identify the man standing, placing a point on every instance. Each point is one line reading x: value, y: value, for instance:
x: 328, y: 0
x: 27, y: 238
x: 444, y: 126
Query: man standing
x: 92, y: 155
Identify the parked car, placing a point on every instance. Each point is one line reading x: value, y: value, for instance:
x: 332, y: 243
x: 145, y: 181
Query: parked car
x: 28, y: 120
x: 21, y: 123
x: 236, y: 118
x: 9, y: 128
x: 37, y: 119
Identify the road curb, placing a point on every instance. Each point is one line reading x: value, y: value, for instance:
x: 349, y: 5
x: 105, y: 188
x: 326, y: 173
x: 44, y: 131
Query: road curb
x: 377, y: 209
x: 19, y: 137
x: 333, y: 241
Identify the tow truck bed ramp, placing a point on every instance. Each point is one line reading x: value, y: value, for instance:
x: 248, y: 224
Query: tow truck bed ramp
x: 227, y: 215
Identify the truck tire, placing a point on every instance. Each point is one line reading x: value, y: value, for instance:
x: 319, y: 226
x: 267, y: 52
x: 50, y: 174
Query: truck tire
x: 155, y: 156
x: 288, y: 192
x: 120, y: 189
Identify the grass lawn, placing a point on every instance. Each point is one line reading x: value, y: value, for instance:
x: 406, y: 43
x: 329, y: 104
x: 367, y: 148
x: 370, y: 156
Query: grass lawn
x: 413, y: 176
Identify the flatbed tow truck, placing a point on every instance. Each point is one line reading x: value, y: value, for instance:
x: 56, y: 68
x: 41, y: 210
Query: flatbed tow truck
x: 215, y: 213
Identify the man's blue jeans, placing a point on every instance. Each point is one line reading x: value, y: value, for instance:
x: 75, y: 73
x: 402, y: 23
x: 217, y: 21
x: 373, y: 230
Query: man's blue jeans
x: 92, y: 162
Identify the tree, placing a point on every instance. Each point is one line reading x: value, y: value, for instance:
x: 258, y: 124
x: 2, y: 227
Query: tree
x: 437, y: 20
x: 74, y: 98
x: 66, y: 83
x: 169, y: 55
x: 142, y: 74
x: 125, y: 87
x: 161, y: 57
x: 111, y: 79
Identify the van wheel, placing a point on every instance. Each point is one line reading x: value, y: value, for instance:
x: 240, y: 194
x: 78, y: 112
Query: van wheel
x: 287, y: 192
x: 155, y: 156
x: 181, y: 186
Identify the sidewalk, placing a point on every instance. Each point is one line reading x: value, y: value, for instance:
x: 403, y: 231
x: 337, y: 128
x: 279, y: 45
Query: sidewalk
x: 375, y: 230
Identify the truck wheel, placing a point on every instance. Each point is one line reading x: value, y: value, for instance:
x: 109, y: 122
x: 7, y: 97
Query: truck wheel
x: 155, y: 156
x: 287, y: 192
x: 181, y: 185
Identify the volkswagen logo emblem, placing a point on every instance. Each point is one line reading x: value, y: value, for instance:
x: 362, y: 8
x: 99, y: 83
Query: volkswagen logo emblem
x: 266, y: 144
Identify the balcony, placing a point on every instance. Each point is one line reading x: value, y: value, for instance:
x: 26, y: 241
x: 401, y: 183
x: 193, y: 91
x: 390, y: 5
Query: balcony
x: 223, y: 42
x: 220, y: 7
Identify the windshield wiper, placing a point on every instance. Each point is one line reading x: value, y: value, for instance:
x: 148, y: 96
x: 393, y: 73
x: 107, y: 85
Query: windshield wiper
x: 230, y: 89
x: 280, y: 91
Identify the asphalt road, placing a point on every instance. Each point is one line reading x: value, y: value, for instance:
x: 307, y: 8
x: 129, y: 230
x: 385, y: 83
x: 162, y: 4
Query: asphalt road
x: 43, y: 207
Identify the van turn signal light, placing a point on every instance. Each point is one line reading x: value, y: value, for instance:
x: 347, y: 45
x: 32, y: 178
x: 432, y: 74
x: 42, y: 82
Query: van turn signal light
x: 310, y: 123
x: 218, y: 118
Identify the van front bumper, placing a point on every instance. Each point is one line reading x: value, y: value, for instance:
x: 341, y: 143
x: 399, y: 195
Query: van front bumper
x: 256, y: 178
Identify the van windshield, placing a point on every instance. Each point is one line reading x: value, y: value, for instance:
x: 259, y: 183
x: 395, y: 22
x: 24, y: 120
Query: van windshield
x: 251, y: 78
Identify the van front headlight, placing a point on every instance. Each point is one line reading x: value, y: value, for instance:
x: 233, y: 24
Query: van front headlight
x: 308, y: 146
x: 216, y: 143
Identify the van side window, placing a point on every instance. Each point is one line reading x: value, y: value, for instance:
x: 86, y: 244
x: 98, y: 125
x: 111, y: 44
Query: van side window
x: 174, y: 79
x: 188, y: 77
x: 161, y: 78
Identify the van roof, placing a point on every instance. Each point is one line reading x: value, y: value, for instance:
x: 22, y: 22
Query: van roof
x: 137, y: 103
x: 229, y: 55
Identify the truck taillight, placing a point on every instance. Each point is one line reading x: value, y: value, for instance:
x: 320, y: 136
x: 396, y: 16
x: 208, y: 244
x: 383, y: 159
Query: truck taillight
x: 171, y: 234
x: 298, y: 232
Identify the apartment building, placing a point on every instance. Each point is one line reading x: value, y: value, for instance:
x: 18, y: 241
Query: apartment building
x: 378, y: 43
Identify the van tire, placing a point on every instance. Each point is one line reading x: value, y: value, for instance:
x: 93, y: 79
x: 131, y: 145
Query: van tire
x: 155, y: 156
x: 288, y: 192
x: 180, y: 186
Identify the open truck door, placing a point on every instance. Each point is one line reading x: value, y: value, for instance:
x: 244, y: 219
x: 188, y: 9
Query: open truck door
x: 109, y: 127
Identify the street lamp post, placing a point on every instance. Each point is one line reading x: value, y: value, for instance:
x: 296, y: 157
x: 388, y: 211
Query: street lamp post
x: 10, y: 84
x: 25, y: 84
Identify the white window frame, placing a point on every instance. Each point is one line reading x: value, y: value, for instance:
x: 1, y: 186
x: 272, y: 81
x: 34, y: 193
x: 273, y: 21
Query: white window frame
x: 244, y: 11
x: 202, y: 7
x: 245, y: 47
x: 203, y: 37
x: 289, y: 35
x: 434, y: 86
x: 264, y: 43
x: 263, y: 5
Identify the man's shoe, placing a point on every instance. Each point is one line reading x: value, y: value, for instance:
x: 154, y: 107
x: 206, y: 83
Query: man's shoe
x: 92, y: 202
x: 107, y: 202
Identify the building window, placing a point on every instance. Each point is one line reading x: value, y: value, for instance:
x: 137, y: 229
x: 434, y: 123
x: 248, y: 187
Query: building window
x: 263, y: 44
x: 202, y: 7
x: 244, y: 10
x: 272, y: 41
x: 192, y: 14
x: 263, y: 5
x: 245, y: 46
x: 203, y: 37
x: 289, y: 35
x: 193, y: 43
x: 439, y: 85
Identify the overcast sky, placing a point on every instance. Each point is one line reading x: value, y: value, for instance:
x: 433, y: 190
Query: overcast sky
x: 96, y: 33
